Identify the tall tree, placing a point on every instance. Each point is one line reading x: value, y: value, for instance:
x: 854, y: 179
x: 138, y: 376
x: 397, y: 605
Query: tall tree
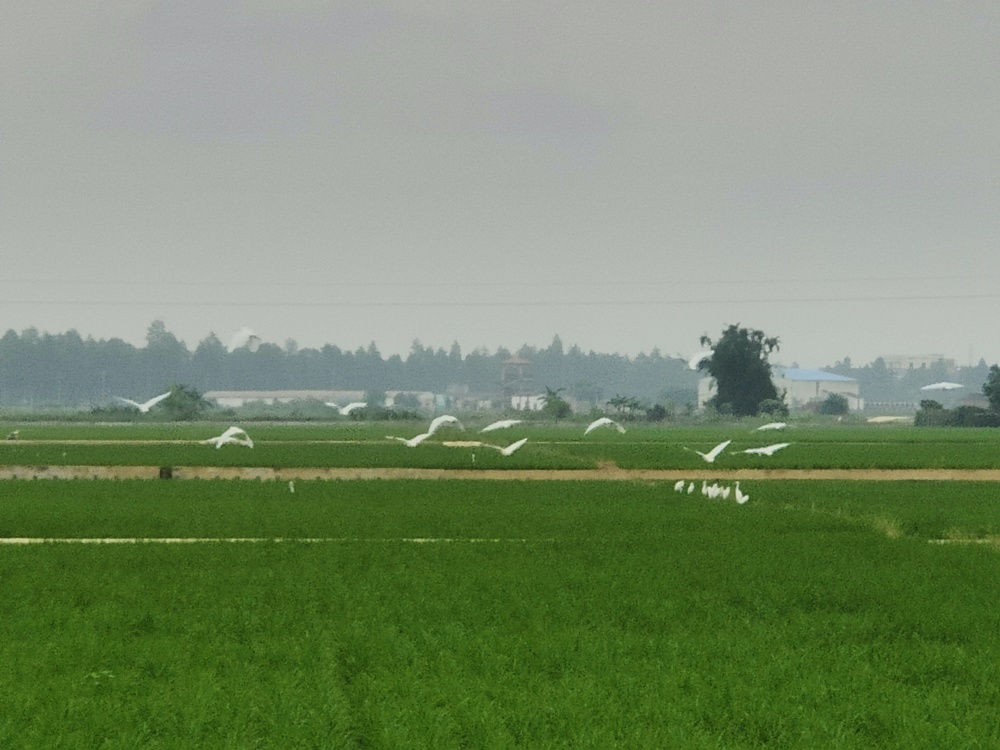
x: 741, y: 370
x: 991, y: 388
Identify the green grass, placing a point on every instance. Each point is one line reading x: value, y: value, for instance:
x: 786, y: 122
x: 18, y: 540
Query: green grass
x: 629, y: 616
x: 565, y: 446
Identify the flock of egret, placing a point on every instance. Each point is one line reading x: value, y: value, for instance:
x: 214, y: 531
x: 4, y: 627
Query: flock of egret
x: 713, y: 491
x: 239, y: 436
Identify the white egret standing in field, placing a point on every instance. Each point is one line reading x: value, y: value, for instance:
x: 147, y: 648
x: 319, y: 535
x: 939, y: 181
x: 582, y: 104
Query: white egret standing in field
x: 501, y: 424
x: 712, y: 454
x: 412, y: 442
x: 603, y: 422
x: 443, y: 420
x: 146, y: 405
x: 767, y: 450
x: 679, y: 485
x: 345, y: 410
x: 233, y: 435
x: 772, y: 426
x: 740, y: 497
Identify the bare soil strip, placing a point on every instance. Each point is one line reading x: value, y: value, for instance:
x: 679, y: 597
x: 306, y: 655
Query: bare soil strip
x: 604, y: 473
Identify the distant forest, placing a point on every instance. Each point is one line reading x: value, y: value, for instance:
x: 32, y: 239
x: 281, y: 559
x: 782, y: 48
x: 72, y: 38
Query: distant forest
x: 65, y: 369
x: 43, y: 369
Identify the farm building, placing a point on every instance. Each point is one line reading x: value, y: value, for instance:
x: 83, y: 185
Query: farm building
x: 801, y: 387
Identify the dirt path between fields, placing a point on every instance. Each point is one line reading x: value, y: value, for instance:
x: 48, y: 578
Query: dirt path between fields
x: 603, y: 473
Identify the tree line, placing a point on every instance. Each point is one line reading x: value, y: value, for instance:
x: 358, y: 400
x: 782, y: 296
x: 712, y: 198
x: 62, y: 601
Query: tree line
x: 66, y: 369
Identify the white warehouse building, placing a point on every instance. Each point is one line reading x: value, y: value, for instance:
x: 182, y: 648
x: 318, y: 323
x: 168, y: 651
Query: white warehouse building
x: 801, y: 387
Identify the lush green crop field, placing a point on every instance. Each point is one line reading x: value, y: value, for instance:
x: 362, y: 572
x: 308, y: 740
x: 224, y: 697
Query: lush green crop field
x: 563, y: 446
x: 584, y: 614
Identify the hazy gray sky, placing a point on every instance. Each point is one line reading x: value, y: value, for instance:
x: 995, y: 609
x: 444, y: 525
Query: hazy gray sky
x: 627, y: 175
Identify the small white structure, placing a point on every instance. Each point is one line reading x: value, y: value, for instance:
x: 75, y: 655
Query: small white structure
x: 527, y: 403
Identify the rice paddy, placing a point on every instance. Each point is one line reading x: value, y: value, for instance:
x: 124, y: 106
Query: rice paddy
x: 413, y: 613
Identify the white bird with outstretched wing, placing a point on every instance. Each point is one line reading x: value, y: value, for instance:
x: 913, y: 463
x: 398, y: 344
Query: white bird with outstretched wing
x: 145, y: 406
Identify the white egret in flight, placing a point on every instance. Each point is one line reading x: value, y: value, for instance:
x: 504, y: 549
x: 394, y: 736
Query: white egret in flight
x: 767, y: 450
x: 146, y: 405
x: 502, y: 424
x: 412, y: 442
x: 712, y: 454
x: 510, y: 448
x: 603, y: 422
x: 345, y: 410
x: 233, y: 435
x: 772, y: 426
x: 244, y: 338
x: 443, y: 420
x: 695, y: 362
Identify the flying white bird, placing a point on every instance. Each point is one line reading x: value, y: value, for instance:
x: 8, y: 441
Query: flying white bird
x: 603, y: 422
x: 443, y: 420
x: 146, y: 406
x: 767, y: 450
x: 244, y: 338
x: 501, y: 425
x: 510, y: 448
x: 15, y: 435
x: 412, y: 442
x: 772, y: 426
x: 712, y: 454
x: 740, y: 497
x: 695, y: 362
x: 345, y: 410
x: 233, y: 435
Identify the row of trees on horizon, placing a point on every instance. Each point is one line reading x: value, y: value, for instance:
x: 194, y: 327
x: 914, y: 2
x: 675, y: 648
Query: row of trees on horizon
x: 66, y: 369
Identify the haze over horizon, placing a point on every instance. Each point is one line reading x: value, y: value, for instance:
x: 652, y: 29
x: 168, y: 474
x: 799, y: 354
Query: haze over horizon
x: 626, y: 176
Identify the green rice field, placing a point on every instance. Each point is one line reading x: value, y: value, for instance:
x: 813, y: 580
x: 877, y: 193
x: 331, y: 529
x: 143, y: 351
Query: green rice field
x: 548, y: 447
x: 491, y: 614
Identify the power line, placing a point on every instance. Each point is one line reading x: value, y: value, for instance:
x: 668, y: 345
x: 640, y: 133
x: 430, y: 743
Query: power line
x: 519, y: 284
x: 504, y: 303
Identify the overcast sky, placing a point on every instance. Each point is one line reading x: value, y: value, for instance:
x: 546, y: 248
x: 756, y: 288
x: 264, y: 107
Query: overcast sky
x: 628, y: 175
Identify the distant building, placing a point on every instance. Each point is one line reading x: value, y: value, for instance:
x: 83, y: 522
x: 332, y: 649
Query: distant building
x: 803, y: 387
x: 236, y: 399
x: 515, y: 378
x: 900, y: 363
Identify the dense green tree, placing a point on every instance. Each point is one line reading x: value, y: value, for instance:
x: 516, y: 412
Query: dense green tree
x: 991, y: 388
x: 741, y: 370
x: 555, y: 406
x: 185, y: 402
x: 834, y: 404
